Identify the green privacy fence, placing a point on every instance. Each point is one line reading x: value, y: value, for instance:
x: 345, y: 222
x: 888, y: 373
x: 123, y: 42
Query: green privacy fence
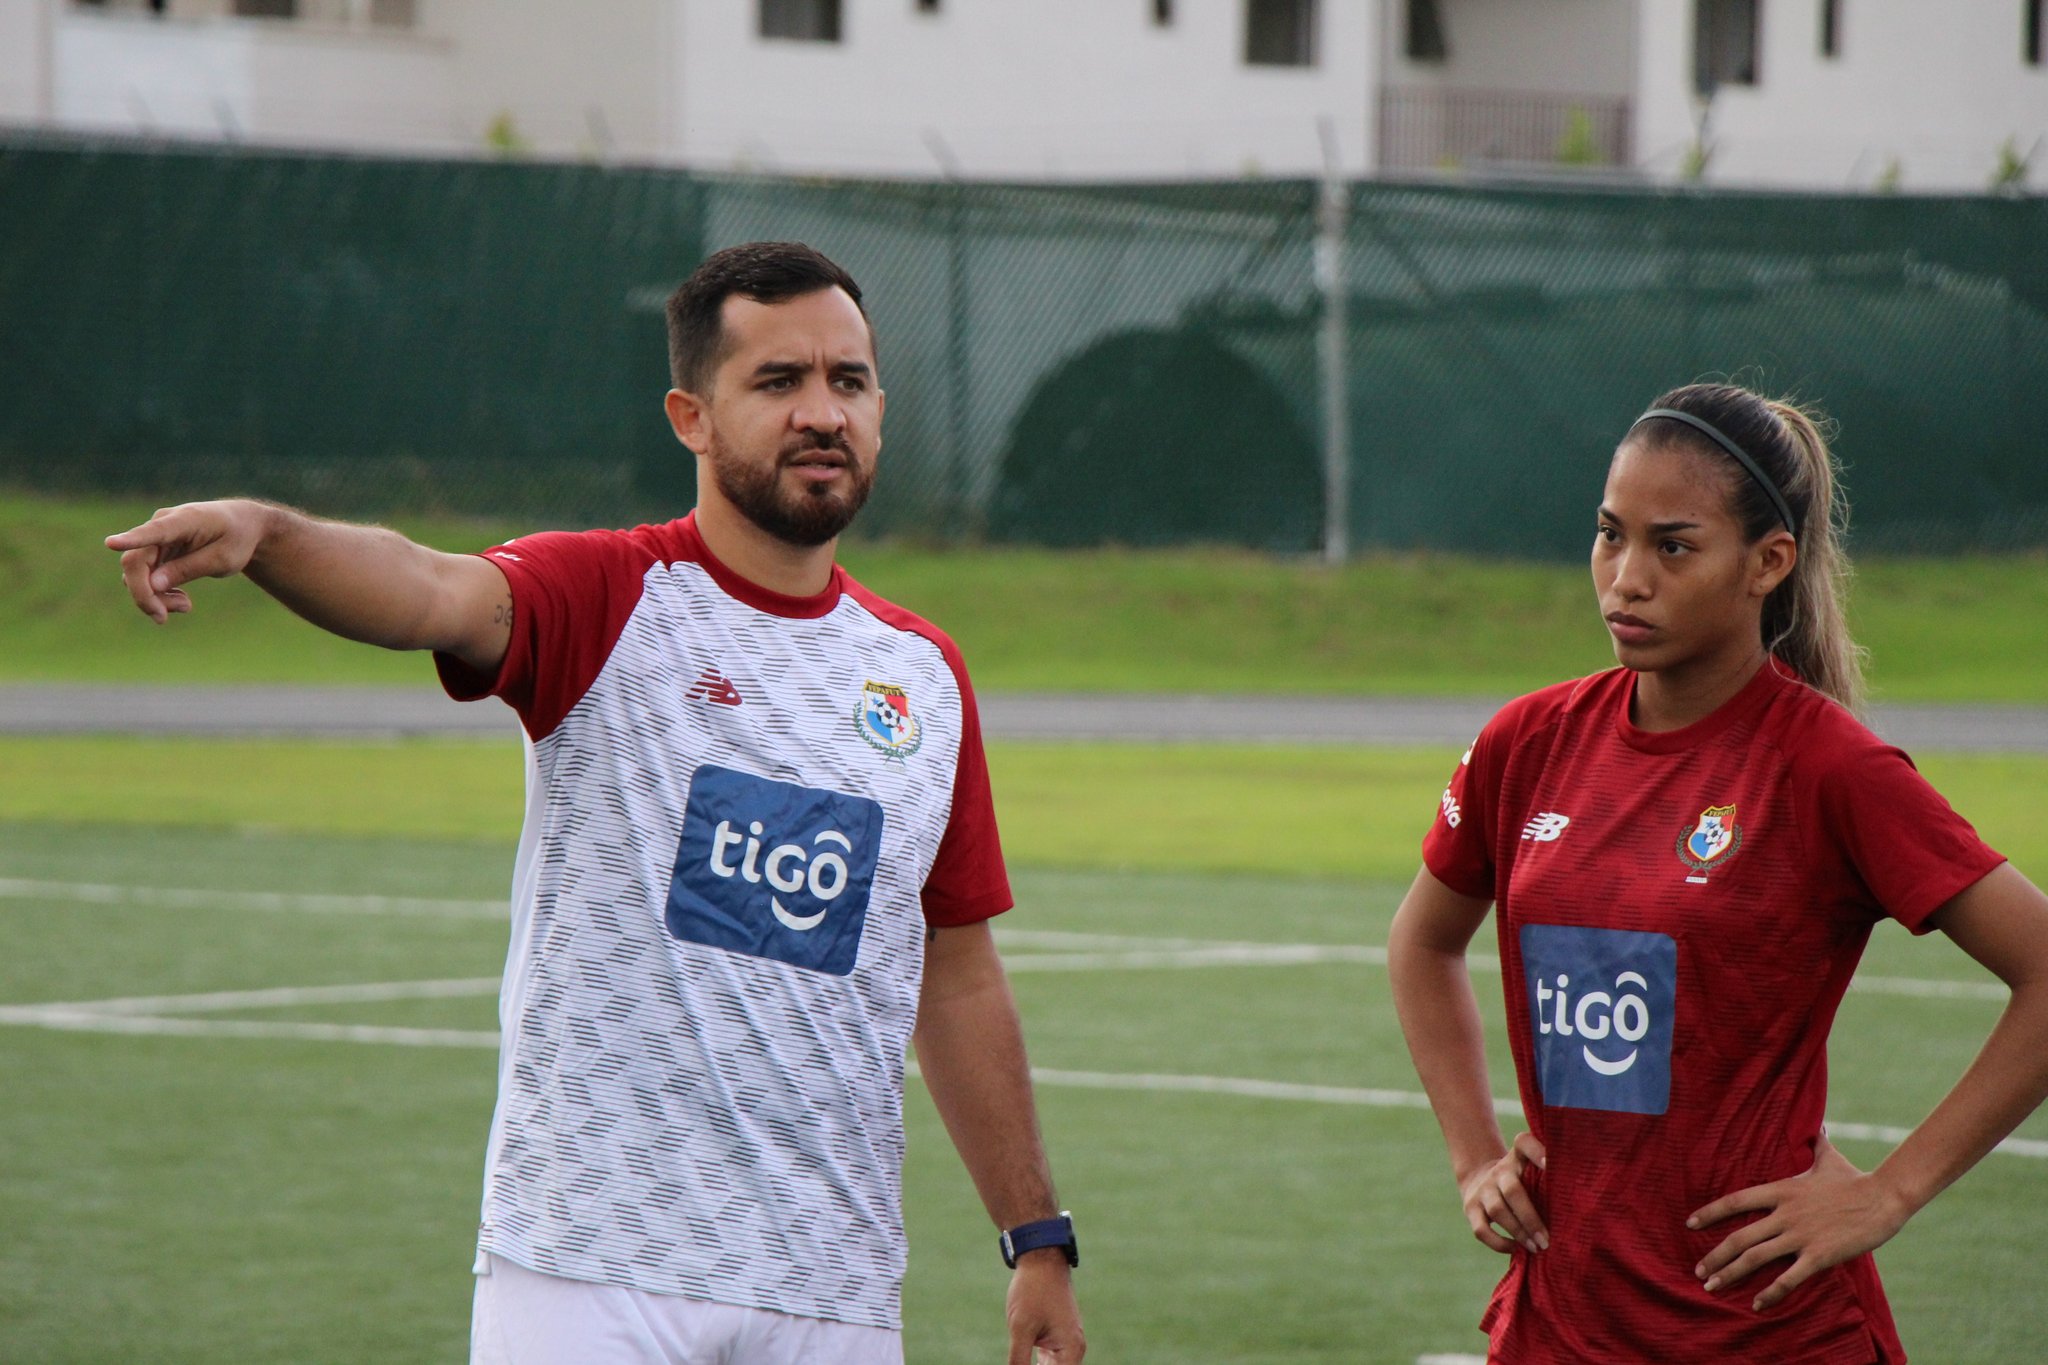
x: 1065, y: 365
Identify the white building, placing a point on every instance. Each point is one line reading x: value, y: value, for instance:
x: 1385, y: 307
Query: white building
x: 1805, y: 93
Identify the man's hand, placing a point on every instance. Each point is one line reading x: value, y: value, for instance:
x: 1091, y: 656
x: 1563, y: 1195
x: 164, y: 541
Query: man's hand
x: 1496, y: 1198
x: 1045, y: 1321
x: 360, y: 582
x: 1832, y: 1213
x: 179, y: 544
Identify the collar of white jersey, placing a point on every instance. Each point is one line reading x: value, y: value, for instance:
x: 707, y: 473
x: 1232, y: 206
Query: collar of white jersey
x: 751, y: 593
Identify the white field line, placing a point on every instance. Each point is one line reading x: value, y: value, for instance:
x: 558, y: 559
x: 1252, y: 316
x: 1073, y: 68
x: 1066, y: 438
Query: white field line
x: 1930, y: 990
x: 125, y: 1016
x: 1089, y: 952
x: 175, y: 898
x: 1892, y: 1137
x: 156, y: 1026
x: 370, y: 992
x: 1222, y: 955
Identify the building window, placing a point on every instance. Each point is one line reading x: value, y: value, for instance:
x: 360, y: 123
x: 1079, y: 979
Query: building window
x: 811, y: 21
x: 1830, y: 28
x: 266, y: 9
x: 1426, y: 32
x: 1162, y: 13
x: 1724, y: 44
x: 1280, y: 32
x: 2034, y: 36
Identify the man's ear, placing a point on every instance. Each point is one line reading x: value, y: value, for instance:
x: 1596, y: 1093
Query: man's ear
x: 690, y: 418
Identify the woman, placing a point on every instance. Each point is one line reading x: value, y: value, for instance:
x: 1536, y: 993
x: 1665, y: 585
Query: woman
x: 1687, y: 854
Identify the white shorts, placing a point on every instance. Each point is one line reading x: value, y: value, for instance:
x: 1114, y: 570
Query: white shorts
x: 523, y: 1317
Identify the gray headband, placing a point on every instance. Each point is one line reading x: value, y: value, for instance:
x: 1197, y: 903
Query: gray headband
x: 1742, y: 457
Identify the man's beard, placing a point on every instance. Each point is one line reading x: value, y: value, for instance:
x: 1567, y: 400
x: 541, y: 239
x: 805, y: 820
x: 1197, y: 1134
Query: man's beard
x: 809, y: 516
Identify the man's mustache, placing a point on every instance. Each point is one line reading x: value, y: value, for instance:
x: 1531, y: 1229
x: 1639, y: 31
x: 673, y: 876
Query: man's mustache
x: 818, y: 440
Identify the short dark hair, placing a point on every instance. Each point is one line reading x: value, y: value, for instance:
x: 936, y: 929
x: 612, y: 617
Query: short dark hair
x: 766, y: 272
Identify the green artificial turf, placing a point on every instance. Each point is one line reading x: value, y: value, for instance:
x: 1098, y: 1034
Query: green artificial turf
x: 208, y: 1199
x: 1274, y: 809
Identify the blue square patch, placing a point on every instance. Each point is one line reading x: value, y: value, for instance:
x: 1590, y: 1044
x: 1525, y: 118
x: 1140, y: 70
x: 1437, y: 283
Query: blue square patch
x: 775, y: 870
x: 1600, y: 1008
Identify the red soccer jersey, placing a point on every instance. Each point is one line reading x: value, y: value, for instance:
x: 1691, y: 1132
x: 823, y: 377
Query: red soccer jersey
x: 1679, y: 915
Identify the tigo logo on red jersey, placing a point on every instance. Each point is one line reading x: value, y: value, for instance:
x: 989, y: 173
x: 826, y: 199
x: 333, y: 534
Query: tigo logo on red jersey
x: 775, y: 870
x: 1601, y: 1003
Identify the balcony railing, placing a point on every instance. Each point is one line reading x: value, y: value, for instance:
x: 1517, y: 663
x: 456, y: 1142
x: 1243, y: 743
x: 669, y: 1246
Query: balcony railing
x: 1425, y: 128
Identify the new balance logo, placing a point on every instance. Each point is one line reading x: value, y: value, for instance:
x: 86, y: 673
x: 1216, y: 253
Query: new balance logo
x: 1545, y: 828
x: 714, y: 686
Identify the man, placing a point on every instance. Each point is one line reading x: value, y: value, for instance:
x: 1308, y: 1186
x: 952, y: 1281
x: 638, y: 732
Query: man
x: 759, y: 848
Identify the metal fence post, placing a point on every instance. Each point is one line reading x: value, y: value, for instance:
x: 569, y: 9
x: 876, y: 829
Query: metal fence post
x: 1332, y: 211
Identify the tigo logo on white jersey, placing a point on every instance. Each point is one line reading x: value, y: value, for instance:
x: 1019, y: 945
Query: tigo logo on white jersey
x: 772, y: 869
x: 1545, y: 827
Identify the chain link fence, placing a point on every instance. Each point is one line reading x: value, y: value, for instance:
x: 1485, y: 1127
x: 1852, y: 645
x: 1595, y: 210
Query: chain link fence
x: 1131, y: 364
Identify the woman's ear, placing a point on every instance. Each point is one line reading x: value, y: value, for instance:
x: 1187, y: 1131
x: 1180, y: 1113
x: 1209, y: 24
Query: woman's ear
x: 1771, y: 562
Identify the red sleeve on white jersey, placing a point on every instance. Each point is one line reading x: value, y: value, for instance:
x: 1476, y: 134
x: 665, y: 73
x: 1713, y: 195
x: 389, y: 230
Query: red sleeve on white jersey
x: 1904, y: 840
x: 968, y: 882
x: 572, y: 593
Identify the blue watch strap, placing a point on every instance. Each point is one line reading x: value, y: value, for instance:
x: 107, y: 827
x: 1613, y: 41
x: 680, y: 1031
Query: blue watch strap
x: 1046, y: 1232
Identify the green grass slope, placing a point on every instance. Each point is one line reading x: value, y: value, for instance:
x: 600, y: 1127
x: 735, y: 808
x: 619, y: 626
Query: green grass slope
x: 1169, y: 621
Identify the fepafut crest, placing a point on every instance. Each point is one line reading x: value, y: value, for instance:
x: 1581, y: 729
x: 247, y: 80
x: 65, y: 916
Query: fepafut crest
x: 882, y: 715
x: 1711, y: 841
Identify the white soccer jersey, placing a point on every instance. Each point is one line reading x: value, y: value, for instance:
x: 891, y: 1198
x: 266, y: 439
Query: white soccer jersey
x: 742, y: 811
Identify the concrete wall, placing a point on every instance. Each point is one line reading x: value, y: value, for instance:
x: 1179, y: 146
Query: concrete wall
x: 585, y: 80
x: 1051, y: 89
x: 26, y: 33
x: 253, y: 80
x: 1931, y: 90
x: 1922, y: 94
x: 563, y: 81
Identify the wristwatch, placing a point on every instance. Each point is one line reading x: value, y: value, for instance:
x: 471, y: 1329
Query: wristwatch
x: 1046, y: 1232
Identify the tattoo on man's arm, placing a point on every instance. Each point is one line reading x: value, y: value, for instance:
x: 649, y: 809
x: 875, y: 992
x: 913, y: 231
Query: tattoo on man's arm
x: 502, y: 614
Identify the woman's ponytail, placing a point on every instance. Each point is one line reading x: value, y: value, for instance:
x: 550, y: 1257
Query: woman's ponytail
x: 1805, y: 623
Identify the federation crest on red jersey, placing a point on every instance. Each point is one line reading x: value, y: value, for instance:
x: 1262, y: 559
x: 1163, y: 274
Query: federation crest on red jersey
x: 1712, y: 840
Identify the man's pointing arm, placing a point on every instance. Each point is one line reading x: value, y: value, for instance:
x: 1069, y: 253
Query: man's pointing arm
x: 360, y: 582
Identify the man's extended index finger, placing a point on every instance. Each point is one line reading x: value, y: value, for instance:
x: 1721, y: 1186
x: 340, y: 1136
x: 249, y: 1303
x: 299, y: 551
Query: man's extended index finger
x: 151, y: 532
